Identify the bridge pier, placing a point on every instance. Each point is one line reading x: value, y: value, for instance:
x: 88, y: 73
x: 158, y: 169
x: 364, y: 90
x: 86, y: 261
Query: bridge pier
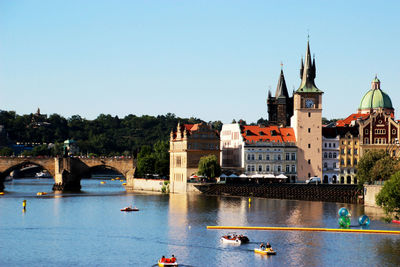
x: 68, y: 174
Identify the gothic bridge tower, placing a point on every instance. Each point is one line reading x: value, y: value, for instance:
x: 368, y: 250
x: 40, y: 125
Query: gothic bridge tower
x: 307, y: 121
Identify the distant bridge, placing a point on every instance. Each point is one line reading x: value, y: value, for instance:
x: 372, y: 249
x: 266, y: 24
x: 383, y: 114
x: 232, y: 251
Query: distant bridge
x: 68, y: 171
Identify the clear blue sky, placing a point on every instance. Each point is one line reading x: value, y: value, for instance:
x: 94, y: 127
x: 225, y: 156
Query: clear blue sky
x: 214, y: 60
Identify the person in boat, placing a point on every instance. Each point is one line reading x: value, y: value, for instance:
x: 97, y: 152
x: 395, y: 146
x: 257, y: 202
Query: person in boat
x: 173, y: 259
x: 162, y: 259
x: 262, y: 246
x: 268, y: 245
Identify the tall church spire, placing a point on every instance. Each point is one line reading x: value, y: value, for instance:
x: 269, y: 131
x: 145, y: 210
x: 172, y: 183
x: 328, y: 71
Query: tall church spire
x: 281, y: 89
x: 301, y: 68
x: 308, y: 72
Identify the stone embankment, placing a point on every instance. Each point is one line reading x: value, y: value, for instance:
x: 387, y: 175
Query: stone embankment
x: 327, y: 193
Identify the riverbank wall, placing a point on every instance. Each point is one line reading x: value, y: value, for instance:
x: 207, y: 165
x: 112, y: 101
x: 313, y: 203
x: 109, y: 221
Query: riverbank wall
x: 326, y: 193
x: 370, y: 192
x: 157, y: 185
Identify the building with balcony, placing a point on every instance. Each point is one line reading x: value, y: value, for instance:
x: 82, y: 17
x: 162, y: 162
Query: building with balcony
x: 330, y: 155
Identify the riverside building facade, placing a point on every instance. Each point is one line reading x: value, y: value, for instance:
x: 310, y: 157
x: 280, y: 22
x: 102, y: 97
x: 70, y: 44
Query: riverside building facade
x: 188, y: 144
x: 270, y: 150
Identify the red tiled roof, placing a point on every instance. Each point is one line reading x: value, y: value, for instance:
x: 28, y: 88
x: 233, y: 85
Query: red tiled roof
x: 352, y: 117
x: 255, y: 133
x: 189, y: 128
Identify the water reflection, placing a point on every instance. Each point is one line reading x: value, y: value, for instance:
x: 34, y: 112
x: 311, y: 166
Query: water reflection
x: 88, y: 228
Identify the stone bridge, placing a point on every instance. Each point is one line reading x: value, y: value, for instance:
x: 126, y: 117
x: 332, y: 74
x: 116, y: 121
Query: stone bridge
x: 68, y: 171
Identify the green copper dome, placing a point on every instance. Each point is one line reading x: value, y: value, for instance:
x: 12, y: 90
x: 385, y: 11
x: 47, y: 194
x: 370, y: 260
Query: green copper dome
x: 375, y: 98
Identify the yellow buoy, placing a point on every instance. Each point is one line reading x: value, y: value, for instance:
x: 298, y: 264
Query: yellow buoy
x: 1, y: 193
x: 112, y: 179
x: 124, y: 184
x: 102, y: 182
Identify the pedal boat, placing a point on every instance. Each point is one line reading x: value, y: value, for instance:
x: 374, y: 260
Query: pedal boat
x: 130, y: 209
x: 267, y: 251
x: 234, y: 239
x: 162, y: 264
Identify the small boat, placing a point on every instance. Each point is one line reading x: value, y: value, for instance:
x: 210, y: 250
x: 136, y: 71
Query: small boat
x: 102, y: 182
x: 130, y: 209
x: 43, y: 175
x: 267, y: 251
x: 234, y: 239
x: 396, y: 221
x: 41, y: 193
x: 162, y: 264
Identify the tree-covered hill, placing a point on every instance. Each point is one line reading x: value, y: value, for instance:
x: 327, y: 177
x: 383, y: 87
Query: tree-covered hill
x: 105, y: 135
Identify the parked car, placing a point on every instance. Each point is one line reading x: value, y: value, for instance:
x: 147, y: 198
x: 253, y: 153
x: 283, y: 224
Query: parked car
x: 316, y: 180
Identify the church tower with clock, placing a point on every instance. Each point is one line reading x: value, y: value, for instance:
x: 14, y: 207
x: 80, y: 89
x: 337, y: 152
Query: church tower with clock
x: 307, y: 121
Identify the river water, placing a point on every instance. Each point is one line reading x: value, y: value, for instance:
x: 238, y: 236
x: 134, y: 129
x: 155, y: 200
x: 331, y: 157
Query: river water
x: 88, y: 229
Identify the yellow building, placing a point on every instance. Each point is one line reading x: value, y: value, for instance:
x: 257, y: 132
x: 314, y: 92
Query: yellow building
x: 188, y: 144
x: 349, y: 154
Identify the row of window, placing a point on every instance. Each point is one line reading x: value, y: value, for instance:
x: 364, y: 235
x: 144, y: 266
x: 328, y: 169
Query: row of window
x: 261, y: 150
x: 203, y: 146
x: 349, y: 171
x: 268, y: 168
x: 349, y: 142
x: 289, y: 156
x: 342, y: 151
x: 333, y: 165
x: 376, y: 141
x: 330, y: 145
x: 348, y: 162
x: 380, y: 131
x: 330, y: 155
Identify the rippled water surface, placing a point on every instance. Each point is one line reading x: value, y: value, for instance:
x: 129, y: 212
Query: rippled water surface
x: 88, y: 229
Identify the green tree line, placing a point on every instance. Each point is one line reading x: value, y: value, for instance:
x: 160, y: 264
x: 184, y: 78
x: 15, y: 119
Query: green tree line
x: 104, y: 136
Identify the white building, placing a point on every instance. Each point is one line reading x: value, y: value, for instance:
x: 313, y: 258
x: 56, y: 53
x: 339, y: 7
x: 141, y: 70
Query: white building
x: 330, y: 156
x: 259, y: 150
x: 232, y: 147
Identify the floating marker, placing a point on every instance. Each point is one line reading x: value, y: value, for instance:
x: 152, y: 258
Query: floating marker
x: 368, y: 231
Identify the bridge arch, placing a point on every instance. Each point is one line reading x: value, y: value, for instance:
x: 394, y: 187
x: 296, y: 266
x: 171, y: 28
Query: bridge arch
x: 104, y: 168
x: 68, y: 171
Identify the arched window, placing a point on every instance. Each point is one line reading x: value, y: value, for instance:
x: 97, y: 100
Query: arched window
x: 330, y: 155
x: 325, y: 165
x: 325, y: 155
